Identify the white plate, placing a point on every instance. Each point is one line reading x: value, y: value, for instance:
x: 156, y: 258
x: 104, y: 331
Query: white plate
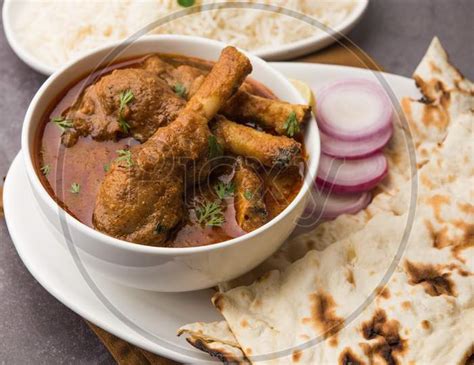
x: 146, y: 319
x: 12, y: 10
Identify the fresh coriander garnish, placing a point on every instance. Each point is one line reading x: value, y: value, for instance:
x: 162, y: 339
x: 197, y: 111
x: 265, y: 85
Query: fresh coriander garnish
x: 124, y: 126
x: 215, y: 149
x: 160, y: 229
x: 125, y: 98
x: 210, y: 214
x: 125, y: 156
x: 180, y: 89
x: 107, y: 167
x: 186, y: 3
x: 223, y: 190
x: 248, y: 194
x: 45, y: 169
x: 291, y: 125
x: 75, y: 188
x: 62, y: 123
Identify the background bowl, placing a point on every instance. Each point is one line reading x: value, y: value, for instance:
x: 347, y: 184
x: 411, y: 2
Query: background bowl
x: 12, y: 11
x: 158, y: 268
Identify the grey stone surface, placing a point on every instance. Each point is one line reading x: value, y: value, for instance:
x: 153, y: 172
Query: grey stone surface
x: 34, y: 327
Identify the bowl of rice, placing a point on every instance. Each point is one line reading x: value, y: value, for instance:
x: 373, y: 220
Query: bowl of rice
x: 47, y: 34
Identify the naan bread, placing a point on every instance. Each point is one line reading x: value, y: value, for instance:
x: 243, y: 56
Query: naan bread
x: 425, y: 312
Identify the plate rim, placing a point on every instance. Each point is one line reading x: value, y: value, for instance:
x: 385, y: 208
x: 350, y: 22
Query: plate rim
x: 94, y: 318
x: 89, y: 316
x: 282, y: 53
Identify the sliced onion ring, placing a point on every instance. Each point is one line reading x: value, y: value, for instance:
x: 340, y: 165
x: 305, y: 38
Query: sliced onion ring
x: 329, y: 205
x: 353, y: 110
x: 354, y: 149
x: 351, y: 176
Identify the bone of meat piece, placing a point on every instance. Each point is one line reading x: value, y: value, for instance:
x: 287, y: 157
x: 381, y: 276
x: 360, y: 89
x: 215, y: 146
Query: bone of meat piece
x: 268, y: 113
x: 141, y: 197
x: 269, y: 150
x: 243, y: 107
x: 250, y: 209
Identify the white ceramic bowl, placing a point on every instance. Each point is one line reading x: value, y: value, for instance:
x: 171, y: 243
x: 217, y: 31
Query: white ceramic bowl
x: 157, y: 268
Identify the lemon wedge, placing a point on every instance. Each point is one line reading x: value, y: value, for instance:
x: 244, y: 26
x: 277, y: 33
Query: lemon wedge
x: 305, y: 91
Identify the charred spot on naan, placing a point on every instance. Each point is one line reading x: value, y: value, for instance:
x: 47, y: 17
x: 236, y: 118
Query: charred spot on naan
x: 324, y: 318
x: 388, y: 344
x: 431, y: 90
x: 383, y: 292
x: 467, y: 242
x: 440, y: 237
x: 218, y: 352
x: 427, y: 122
x: 431, y: 278
x: 466, y: 208
x: 469, y: 356
x: 426, y: 325
x: 436, y: 202
x: 296, y: 356
x: 425, y: 181
x: 444, y: 237
x: 435, y: 76
x: 406, y: 305
x: 461, y: 271
x: 217, y: 301
x: 347, y: 357
x: 434, y: 116
x: 467, y: 230
x: 350, y: 277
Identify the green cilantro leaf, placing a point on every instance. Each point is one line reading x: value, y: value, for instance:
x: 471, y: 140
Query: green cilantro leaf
x: 186, y: 3
x: 291, y: 125
x: 248, y: 195
x: 125, y: 98
x: 75, y: 188
x: 224, y: 190
x: 210, y: 214
x: 125, y: 156
x: 215, y: 149
x: 180, y: 90
x: 45, y: 169
x: 62, y: 123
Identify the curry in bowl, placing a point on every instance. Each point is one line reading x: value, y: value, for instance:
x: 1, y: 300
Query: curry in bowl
x: 173, y: 151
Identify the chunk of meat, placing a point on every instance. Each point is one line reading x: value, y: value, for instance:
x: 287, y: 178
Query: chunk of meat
x: 184, y: 77
x: 97, y: 112
x: 269, y: 150
x: 141, y: 198
x: 250, y: 210
x: 243, y: 107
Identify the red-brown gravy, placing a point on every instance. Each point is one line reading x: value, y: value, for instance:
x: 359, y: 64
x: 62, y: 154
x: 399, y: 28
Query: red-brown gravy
x: 85, y: 164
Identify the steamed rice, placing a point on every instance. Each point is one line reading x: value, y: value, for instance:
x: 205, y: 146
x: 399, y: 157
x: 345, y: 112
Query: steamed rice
x: 56, y: 31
